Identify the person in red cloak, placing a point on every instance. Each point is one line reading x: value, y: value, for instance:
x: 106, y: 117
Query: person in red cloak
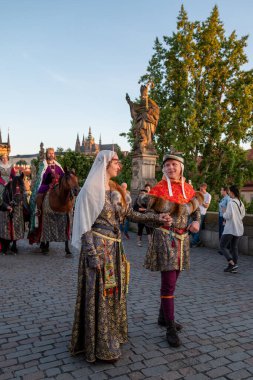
x: 169, y: 249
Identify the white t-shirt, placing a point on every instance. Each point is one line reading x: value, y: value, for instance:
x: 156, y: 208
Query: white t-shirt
x: 207, y: 199
x: 234, y: 215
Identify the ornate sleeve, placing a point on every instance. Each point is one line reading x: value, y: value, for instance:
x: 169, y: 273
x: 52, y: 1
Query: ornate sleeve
x: 88, y: 249
x: 196, y: 216
x: 150, y: 218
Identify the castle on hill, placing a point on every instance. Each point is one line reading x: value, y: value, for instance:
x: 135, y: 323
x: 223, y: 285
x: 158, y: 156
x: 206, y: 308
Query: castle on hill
x: 89, y: 146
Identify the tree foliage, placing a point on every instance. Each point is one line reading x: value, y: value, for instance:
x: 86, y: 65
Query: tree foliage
x: 126, y: 173
x: 21, y: 162
x: 77, y: 161
x: 205, y: 98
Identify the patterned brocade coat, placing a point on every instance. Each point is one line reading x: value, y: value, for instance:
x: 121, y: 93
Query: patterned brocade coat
x: 100, y: 321
x: 55, y: 225
x: 12, y: 226
x: 170, y: 248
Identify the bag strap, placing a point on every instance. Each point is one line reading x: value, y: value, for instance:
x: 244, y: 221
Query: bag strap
x: 238, y: 207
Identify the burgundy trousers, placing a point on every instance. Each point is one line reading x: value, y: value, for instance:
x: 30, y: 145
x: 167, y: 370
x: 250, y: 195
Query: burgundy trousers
x: 168, y: 285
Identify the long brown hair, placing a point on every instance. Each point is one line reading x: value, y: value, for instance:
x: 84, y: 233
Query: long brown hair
x: 115, y: 186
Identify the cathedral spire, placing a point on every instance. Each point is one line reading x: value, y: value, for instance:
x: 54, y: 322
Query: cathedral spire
x: 8, y: 140
x: 1, y: 137
x: 100, y: 141
x: 90, y: 135
x: 77, y: 147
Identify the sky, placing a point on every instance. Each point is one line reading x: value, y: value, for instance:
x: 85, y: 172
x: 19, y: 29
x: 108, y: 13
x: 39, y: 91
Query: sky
x: 66, y: 65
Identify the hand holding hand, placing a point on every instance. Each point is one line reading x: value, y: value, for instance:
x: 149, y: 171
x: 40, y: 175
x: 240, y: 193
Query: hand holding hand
x: 194, y: 227
x: 166, y: 218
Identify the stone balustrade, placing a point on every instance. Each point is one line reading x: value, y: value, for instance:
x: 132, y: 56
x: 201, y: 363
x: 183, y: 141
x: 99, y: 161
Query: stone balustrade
x: 210, y: 235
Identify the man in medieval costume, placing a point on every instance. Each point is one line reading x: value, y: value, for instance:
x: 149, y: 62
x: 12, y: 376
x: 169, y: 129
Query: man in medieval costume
x: 169, y: 249
x: 48, y: 176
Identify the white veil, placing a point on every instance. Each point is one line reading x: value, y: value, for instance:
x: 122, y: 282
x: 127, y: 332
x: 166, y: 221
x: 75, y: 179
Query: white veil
x: 91, y: 199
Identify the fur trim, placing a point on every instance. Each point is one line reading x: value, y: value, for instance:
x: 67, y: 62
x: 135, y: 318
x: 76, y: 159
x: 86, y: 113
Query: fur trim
x: 160, y: 205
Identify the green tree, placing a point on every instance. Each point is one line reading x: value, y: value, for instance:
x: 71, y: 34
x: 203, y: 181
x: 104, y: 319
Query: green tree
x: 77, y: 161
x: 205, y: 98
x: 35, y: 162
x: 21, y: 162
x: 126, y: 173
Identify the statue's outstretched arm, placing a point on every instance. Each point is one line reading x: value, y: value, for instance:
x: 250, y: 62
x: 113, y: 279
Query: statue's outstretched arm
x: 128, y: 99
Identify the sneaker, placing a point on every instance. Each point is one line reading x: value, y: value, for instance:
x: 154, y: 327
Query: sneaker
x: 235, y: 266
x: 139, y: 243
x: 230, y: 268
x: 127, y: 236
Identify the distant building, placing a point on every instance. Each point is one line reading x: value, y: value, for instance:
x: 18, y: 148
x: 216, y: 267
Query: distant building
x: 5, y: 147
x: 24, y: 157
x: 89, y: 146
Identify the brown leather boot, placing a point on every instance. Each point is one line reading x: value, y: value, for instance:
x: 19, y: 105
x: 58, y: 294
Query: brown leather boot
x: 161, y: 321
x: 172, y: 336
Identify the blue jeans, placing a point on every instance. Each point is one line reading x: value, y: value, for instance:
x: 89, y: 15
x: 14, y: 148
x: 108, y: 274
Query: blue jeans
x: 195, y: 235
x: 221, y: 226
x: 125, y: 227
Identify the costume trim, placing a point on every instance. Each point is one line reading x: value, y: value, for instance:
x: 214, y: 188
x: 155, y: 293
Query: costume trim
x: 181, y: 239
x: 106, y: 237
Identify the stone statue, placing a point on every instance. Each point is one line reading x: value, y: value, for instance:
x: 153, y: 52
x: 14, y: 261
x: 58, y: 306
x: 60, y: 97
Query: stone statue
x: 41, y: 152
x: 145, y: 115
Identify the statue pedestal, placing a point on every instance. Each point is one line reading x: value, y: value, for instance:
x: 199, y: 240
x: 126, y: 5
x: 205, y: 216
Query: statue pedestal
x: 143, y: 171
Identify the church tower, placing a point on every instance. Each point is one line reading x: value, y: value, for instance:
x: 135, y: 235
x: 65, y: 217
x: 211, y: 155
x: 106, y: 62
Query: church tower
x: 89, y: 135
x: 5, y: 147
x: 77, y: 147
x: 8, y: 141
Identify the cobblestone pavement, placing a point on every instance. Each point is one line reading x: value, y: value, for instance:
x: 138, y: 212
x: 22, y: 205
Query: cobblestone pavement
x: 216, y: 309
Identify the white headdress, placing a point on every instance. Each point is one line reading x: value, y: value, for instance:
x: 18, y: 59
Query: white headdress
x: 91, y: 199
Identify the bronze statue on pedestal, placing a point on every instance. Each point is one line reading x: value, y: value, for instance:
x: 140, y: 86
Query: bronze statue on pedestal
x: 145, y: 115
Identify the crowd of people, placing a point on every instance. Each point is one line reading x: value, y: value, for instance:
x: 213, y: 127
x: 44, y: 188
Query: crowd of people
x: 172, y: 213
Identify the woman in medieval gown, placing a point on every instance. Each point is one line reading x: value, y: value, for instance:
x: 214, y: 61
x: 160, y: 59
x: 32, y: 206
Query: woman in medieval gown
x: 100, y: 322
x: 7, y: 172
